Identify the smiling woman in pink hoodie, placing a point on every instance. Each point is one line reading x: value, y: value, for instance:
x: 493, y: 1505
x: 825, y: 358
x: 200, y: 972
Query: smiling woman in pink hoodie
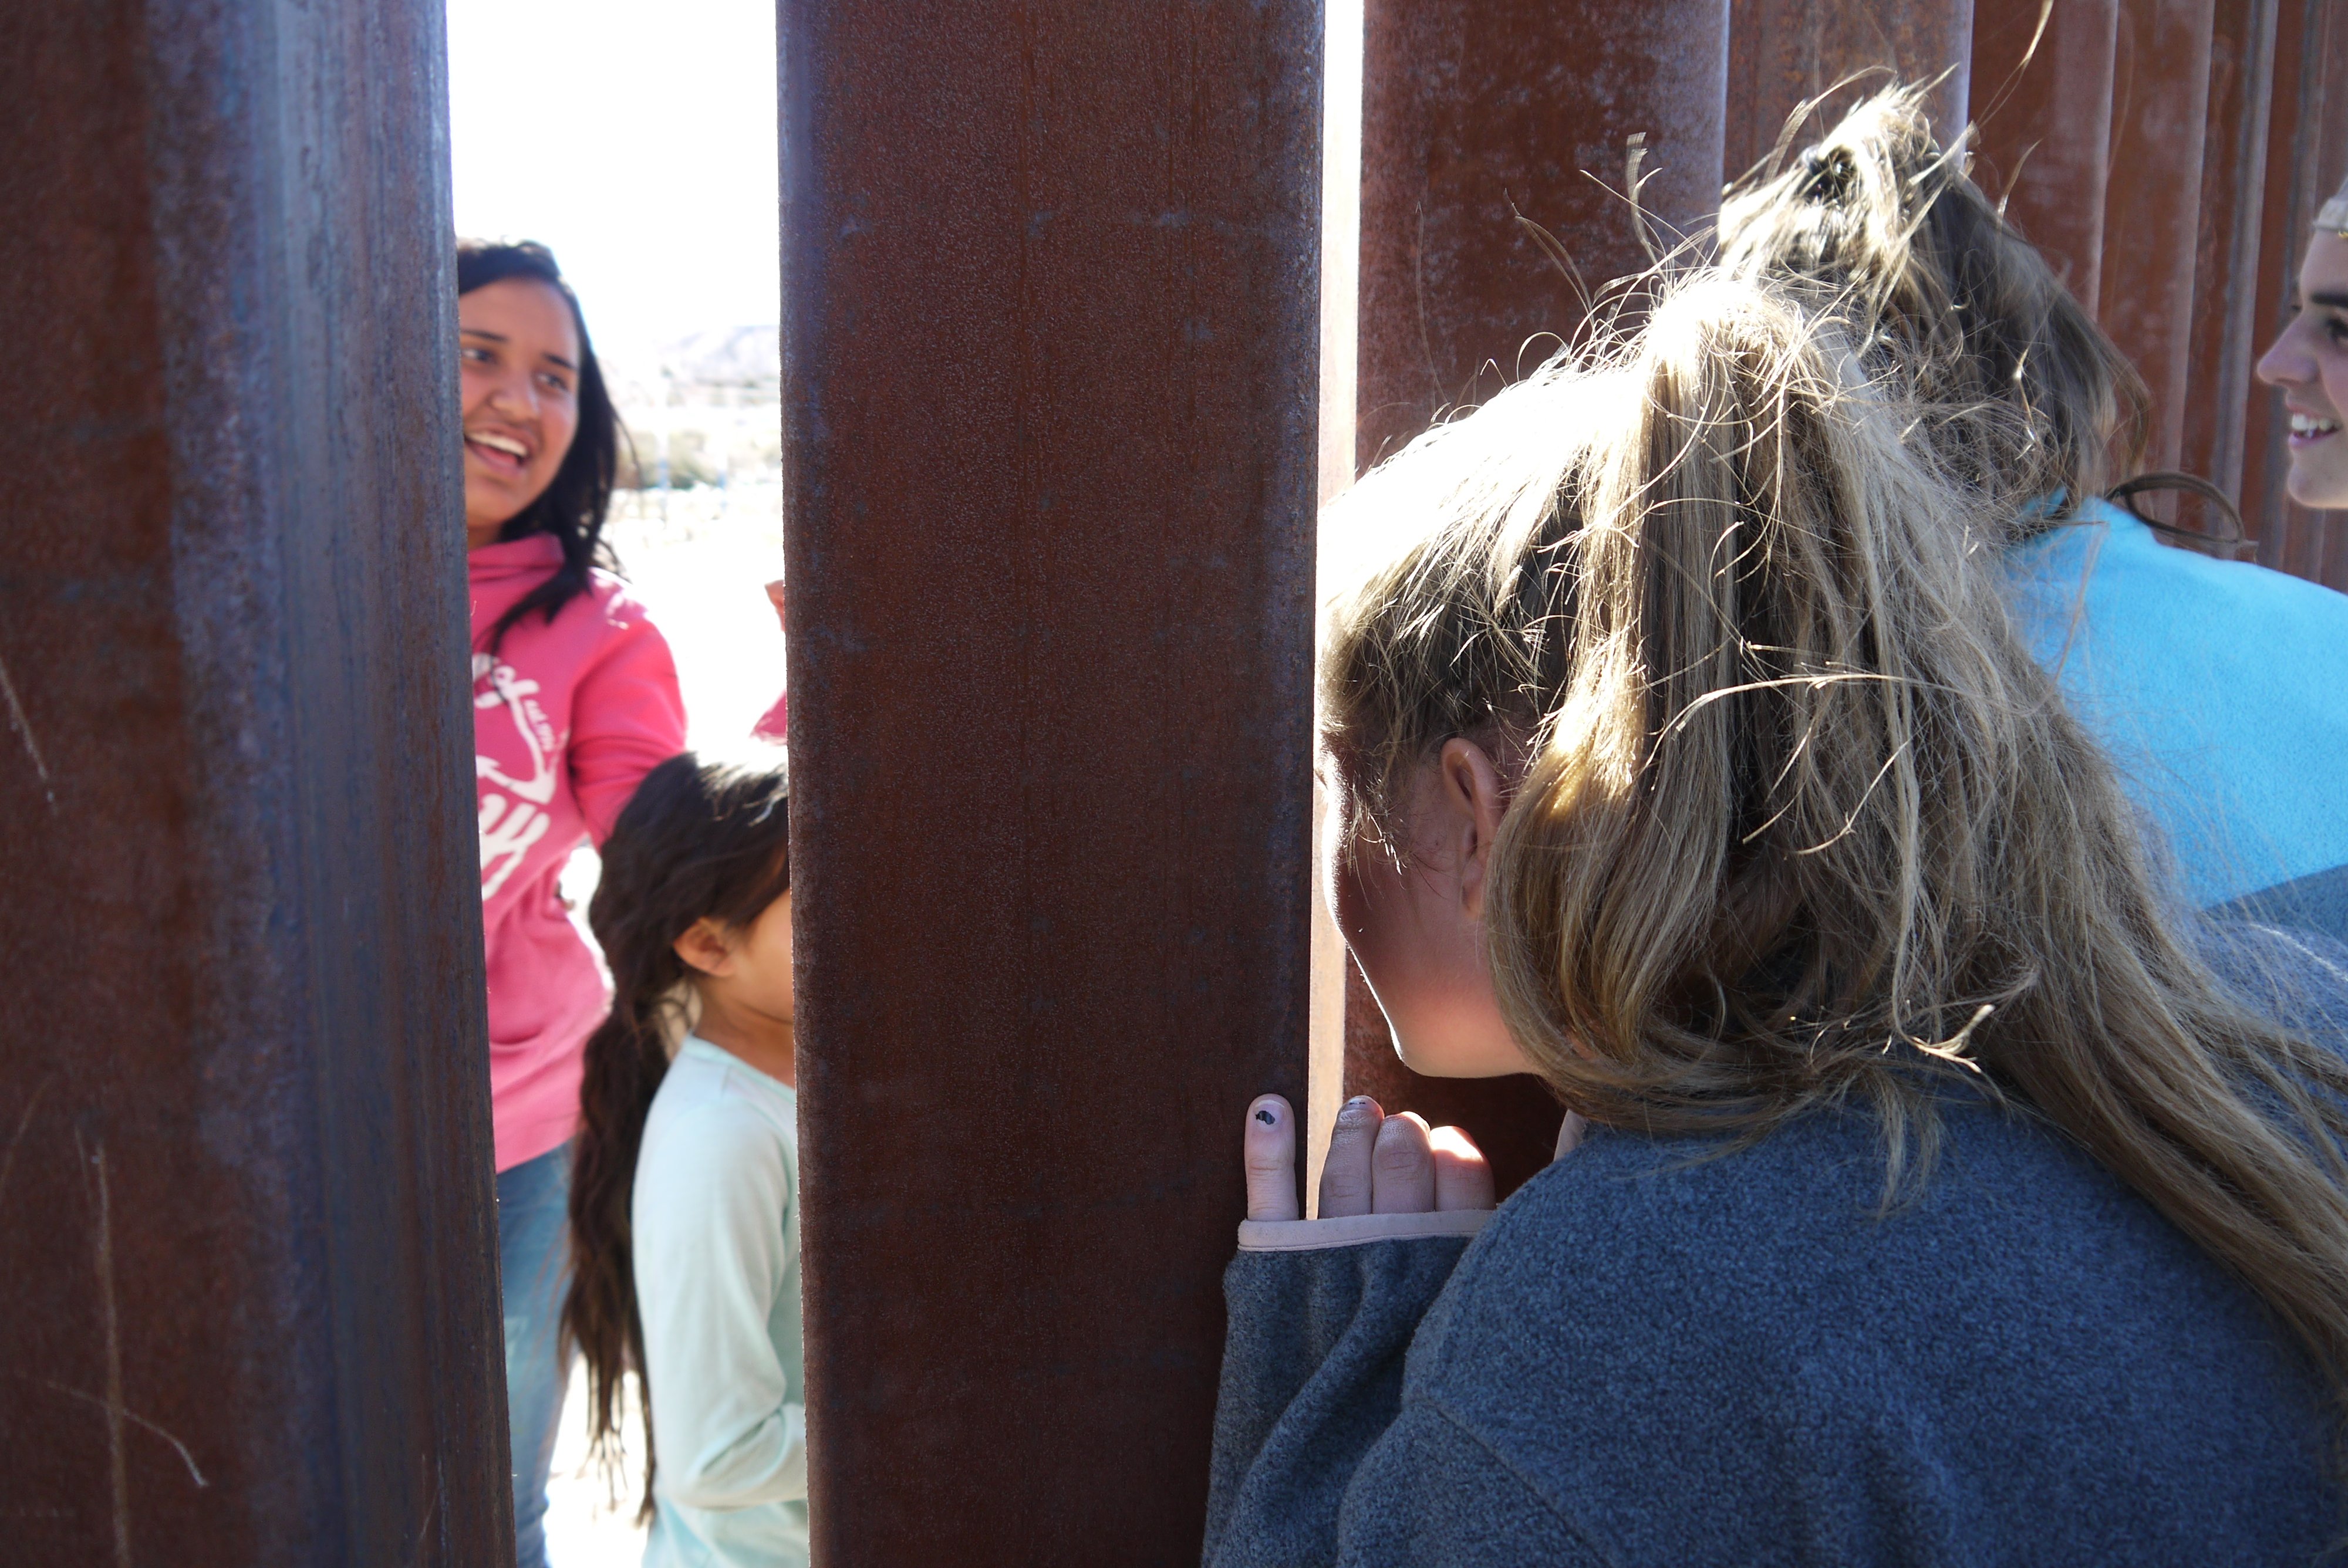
x: 574, y: 700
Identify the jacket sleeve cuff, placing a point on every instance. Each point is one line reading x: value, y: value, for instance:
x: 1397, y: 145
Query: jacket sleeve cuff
x: 1356, y: 1230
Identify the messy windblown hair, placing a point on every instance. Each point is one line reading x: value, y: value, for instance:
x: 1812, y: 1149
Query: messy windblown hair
x: 1795, y: 821
x: 2023, y: 398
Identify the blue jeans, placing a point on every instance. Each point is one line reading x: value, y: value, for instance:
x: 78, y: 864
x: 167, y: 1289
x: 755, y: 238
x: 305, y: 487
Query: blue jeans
x: 533, y: 1248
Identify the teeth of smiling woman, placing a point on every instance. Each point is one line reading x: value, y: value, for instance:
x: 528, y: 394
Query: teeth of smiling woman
x: 2307, y: 424
x: 515, y: 448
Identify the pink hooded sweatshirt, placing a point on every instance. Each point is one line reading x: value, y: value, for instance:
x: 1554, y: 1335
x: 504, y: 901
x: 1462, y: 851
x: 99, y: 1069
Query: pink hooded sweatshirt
x: 567, y: 719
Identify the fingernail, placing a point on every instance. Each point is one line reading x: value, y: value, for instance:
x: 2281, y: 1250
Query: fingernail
x: 1267, y: 1115
x: 1353, y: 1109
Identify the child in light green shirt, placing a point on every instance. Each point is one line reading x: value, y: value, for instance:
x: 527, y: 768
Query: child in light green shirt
x: 684, y: 1203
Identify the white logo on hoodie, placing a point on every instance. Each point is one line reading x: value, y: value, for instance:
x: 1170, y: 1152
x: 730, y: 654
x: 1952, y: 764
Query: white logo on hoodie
x: 513, y: 810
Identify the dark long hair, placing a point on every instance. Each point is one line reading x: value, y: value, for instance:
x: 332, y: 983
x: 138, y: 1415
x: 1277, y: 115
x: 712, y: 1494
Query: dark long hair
x: 698, y: 841
x: 574, y: 506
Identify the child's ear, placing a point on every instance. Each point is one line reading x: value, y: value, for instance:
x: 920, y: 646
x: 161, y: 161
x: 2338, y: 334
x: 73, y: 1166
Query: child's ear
x: 706, y: 947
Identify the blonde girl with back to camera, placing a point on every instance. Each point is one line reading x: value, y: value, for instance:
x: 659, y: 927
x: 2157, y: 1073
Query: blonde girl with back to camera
x: 1942, y: 1195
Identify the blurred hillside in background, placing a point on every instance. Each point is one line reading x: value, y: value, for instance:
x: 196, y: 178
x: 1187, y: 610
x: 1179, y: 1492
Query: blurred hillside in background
x: 705, y: 410
x: 698, y: 525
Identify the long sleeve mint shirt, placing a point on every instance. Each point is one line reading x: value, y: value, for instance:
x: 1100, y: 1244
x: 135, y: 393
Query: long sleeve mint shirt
x: 715, y: 1216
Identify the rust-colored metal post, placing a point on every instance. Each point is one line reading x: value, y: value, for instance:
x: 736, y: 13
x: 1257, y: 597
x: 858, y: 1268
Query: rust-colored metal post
x: 1782, y: 53
x: 2160, y: 96
x: 1496, y: 151
x: 2224, y: 330
x: 1496, y: 139
x: 2045, y: 125
x: 1051, y: 320
x: 248, y: 1287
x: 2307, y: 155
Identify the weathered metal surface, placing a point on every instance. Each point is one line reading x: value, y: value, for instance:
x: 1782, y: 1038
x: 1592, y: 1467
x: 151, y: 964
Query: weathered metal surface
x: 1051, y: 307
x: 1484, y: 119
x: 2224, y: 333
x: 2043, y: 119
x: 1782, y: 53
x: 2307, y: 156
x: 2160, y: 94
x: 248, y: 1305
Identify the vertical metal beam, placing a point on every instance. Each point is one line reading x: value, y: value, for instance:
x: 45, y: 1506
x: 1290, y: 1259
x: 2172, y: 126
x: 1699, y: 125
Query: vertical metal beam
x: 2307, y: 155
x: 1480, y: 120
x: 1784, y: 52
x: 1050, y: 316
x: 2044, y: 120
x: 248, y: 1310
x: 2224, y: 328
x: 2160, y: 96
x: 1483, y: 118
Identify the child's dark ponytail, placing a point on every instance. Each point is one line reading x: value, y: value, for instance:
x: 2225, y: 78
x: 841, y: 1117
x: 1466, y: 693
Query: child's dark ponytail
x: 698, y: 841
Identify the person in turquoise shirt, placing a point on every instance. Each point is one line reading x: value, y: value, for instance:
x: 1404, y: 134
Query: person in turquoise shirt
x: 684, y: 1218
x: 2218, y: 688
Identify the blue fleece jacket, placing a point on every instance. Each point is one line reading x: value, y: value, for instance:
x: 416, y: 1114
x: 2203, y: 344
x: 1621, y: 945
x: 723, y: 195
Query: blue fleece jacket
x: 2220, y: 690
x: 1663, y: 1350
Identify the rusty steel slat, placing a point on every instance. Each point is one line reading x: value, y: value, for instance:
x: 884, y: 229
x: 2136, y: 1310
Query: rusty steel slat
x: 1051, y: 320
x: 1484, y: 119
x: 248, y: 1309
x: 2160, y: 94
x: 2307, y: 140
x: 2044, y: 123
x: 2224, y: 331
x: 1784, y: 52
x: 1479, y: 121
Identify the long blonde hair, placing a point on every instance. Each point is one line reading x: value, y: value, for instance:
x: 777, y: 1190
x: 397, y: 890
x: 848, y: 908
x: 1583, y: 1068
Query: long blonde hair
x: 1797, y: 821
x: 2027, y: 397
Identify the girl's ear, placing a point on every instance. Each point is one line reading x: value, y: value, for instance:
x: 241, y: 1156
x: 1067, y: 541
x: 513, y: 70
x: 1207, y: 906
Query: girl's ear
x: 1474, y: 802
x: 707, y: 948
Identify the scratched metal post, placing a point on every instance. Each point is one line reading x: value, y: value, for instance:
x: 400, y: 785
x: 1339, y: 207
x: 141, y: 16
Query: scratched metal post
x: 2159, y: 122
x: 1784, y: 52
x: 1500, y: 145
x: 2042, y: 92
x: 248, y: 1306
x: 1051, y: 313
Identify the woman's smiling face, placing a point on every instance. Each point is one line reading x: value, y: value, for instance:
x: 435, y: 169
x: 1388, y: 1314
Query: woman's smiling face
x: 517, y: 345
x: 2310, y: 363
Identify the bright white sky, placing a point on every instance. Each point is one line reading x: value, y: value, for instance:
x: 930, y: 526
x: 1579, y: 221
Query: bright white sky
x: 635, y: 137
